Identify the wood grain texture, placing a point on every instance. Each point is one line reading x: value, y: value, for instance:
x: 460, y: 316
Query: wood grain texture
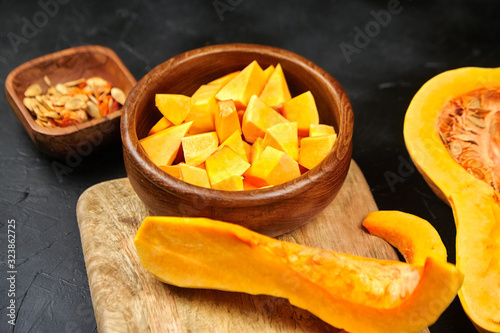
x: 293, y: 202
x: 66, y: 65
x: 126, y: 298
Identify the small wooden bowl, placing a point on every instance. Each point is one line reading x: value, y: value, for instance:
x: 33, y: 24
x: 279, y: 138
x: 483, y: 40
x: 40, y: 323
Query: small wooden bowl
x: 63, y: 66
x: 272, y: 211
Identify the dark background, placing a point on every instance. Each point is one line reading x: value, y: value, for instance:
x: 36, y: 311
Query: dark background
x: 421, y: 40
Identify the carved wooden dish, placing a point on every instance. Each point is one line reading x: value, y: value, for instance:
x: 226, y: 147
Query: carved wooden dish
x: 63, y: 66
x: 272, y: 211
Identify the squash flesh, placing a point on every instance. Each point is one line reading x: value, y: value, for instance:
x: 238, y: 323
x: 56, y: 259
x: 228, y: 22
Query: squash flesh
x: 415, y: 238
x: 354, y: 293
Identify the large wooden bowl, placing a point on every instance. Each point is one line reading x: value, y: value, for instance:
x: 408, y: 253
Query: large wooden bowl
x: 67, y: 65
x: 272, y: 211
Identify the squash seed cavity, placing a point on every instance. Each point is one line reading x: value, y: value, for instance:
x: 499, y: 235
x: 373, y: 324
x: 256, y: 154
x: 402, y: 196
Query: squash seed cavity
x: 469, y: 127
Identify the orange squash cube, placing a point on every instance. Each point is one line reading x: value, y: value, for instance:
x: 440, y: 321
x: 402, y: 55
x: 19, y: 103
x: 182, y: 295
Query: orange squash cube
x: 255, y: 150
x: 236, y: 143
x: 223, y: 80
x: 267, y: 73
x: 250, y: 81
x: 283, y: 137
x: 258, y: 118
x: 248, y: 148
x: 313, y: 150
x: 247, y: 185
x: 233, y: 183
x: 276, y: 90
x: 160, y: 125
x: 203, y: 109
x: 302, y: 109
x: 225, y: 163
x: 162, y: 147
x: 194, y: 175
x: 226, y: 120
x: 273, y: 167
x: 198, y: 147
x: 321, y: 129
x: 174, y: 107
x: 172, y: 170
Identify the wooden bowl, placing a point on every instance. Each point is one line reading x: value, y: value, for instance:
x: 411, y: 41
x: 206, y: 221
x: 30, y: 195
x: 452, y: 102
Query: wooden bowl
x: 63, y: 66
x: 272, y: 211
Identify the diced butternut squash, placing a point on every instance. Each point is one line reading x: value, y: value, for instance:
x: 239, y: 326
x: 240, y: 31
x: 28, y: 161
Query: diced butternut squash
x: 302, y: 109
x: 172, y: 170
x: 233, y: 183
x: 313, y: 150
x: 247, y: 185
x: 194, y: 175
x: 276, y: 90
x: 273, y: 167
x: 225, y: 163
x: 203, y: 109
x: 321, y: 129
x: 283, y: 137
x: 174, y: 107
x: 248, y: 148
x: 236, y: 143
x: 267, y: 73
x: 242, y: 129
x: 250, y: 81
x: 162, y: 147
x: 258, y: 118
x: 221, y: 81
x: 198, y: 147
x: 160, y: 125
x: 226, y: 120
x: 256, y: 149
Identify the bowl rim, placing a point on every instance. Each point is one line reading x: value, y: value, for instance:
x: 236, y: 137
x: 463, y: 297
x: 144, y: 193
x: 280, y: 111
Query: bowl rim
x: 55, y: 131
x: 177, y: 187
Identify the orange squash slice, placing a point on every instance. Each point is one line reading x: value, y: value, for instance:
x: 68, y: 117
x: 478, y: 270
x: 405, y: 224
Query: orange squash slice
x: 349, y: 292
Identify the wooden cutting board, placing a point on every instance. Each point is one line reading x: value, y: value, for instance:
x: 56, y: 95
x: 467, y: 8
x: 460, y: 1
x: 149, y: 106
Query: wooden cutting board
x: 126, y: 298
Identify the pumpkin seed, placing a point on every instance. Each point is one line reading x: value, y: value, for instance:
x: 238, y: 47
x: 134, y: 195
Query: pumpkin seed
x: 47, y: 80
x: 475, y: 103
x: 62, y: 89
x: 51, y: 114
x: 118, y: 95
x: 33, y: 90
x: 28, y: 103
x: 75, y: 103
x: 97, y: 81
x: 93, y: 110
x: 110, y: 104
x: 479, y: 122
x: 455, y: 148
x: 74, y: 82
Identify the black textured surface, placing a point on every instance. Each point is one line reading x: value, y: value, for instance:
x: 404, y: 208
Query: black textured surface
x: 419, y: 40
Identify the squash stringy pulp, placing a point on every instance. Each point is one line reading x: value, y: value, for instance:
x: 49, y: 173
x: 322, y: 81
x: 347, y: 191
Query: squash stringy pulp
x: 469, y: 127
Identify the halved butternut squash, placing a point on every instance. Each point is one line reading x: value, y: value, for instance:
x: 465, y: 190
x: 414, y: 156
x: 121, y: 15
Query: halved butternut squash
x: 475, y: 203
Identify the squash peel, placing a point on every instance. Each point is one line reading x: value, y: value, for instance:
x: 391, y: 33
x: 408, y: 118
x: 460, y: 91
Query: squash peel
x: 475, y: 203
x: 349, y: 292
